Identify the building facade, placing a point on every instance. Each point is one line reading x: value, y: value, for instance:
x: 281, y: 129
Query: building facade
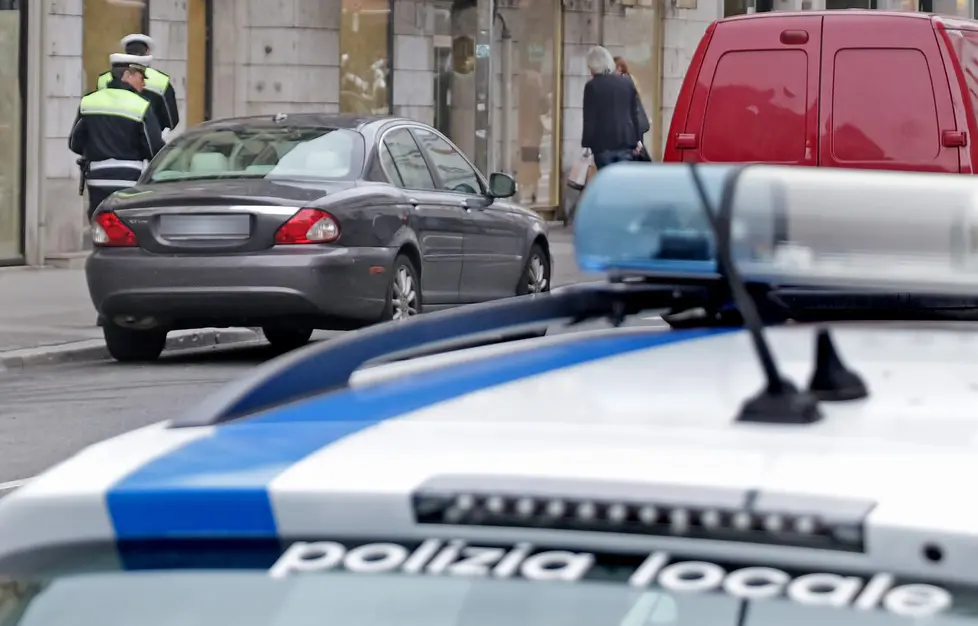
x: 502, y: 78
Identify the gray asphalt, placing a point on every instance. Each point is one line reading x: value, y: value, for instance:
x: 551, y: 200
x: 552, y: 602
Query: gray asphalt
x: 49, y: 413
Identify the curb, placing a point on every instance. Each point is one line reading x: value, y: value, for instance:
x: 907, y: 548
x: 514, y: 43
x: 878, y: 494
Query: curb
x: 95, y: 350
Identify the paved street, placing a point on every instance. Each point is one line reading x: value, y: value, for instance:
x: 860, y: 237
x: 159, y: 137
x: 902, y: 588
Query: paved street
x: 48, y: 413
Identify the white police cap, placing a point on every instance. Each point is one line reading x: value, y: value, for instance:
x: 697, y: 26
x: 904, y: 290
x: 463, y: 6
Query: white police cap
x: 138, y: 38
x: 130, y: 61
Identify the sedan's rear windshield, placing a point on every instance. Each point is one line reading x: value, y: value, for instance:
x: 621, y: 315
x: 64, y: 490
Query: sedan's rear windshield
x: 449, y: 583
x: 272, y: 153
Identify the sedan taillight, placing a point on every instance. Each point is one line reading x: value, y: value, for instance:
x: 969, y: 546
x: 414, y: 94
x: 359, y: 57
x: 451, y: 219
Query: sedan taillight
x: 108, y: 231
x: 309, y: 226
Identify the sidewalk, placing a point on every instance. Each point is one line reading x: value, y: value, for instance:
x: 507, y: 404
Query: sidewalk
x: 44, y: 307
x: 46, y: 317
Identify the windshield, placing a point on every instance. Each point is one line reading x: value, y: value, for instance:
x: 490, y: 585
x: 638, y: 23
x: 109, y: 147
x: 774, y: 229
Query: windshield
x: 271, y: 153
x: 448, y: 583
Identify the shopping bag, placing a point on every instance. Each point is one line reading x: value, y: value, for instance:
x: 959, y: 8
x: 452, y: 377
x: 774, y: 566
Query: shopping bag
x: 580, y: 171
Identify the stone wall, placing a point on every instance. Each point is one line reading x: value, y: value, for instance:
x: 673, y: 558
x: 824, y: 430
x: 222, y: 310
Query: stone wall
x: 62, y: 215
x: 275, y: 56
x: 413, y: 64
x: 284, y: 55
x: 168, y: 28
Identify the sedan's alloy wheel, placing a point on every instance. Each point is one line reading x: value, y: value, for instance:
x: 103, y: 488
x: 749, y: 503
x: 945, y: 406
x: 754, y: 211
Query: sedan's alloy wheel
x: 537, y: 280
x: 404, y: 294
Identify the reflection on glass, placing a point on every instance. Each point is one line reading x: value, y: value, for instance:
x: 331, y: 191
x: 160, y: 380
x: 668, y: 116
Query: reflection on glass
x: 734, y: 7
x: 958, y: 8
x: 10, y: 131
x: 531, y: 77
x: 364, y: 52
x: 406, y: 157
x: 638, y: 53
x: 848, y: 4
x: 106, y: 23
x: 279, y: 153
x: 456, y: 175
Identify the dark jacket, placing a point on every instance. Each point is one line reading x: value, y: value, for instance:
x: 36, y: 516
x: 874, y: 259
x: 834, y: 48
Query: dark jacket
x: 614, y: 118
x: 115, y: 123
x: 159, y: 91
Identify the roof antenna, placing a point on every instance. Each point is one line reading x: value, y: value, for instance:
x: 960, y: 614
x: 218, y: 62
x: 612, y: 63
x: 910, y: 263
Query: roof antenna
x: 780, y: 402
x: 832, y: 381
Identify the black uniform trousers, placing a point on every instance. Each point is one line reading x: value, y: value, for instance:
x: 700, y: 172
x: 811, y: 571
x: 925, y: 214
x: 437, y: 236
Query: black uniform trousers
x: 95, y: 197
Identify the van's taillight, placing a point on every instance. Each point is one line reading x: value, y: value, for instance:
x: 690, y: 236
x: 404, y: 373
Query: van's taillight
x: 309, y: 226
x: 109, y: 231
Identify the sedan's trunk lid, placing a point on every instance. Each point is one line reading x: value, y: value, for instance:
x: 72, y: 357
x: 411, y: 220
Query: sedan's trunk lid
x: 215, y: 216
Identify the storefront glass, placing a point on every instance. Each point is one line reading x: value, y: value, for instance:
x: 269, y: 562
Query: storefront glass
x: 958, y: 8
x: 734, y: 7
x: 106, y: 23
x: 365, y: 43
x: 526, y: 110
x: 11, y: 133
x: 198, y: 62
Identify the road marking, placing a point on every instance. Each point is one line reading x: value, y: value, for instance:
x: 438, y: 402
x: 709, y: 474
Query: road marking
x: 13, y: 484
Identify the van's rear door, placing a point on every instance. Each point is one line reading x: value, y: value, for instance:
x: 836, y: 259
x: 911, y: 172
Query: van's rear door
x: 755, y: 97
x: 885, y: 100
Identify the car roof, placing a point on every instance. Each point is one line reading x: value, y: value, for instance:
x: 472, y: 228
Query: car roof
x: 624, y: 413
x: 329, y: 120
x: 950, y: 22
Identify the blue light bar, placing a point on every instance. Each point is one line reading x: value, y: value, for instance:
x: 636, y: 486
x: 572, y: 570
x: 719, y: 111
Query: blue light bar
x: 790, y: 226
x: 636, y: 218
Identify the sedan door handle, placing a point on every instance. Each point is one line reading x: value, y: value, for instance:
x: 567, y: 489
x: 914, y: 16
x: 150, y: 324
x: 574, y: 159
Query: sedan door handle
x: 413, y: 202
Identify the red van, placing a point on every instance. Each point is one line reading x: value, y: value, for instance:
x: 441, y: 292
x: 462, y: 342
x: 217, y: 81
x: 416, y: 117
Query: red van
x: 856, y: 89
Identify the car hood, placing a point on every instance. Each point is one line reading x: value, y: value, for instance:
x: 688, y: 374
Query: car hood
x: 242, y: 191
x: 584, y: 415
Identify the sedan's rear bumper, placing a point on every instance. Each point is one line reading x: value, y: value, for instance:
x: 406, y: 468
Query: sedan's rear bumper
x: 297, y: 281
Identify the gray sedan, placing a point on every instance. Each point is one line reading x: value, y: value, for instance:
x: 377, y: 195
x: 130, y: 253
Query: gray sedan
x: 299, y: 222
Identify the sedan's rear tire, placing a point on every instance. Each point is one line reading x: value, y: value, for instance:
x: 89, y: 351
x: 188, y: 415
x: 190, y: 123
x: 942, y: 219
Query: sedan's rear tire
x: 535, y: 277
x: 287, y: 338
x: 404, y: 298
x: 128, y: 345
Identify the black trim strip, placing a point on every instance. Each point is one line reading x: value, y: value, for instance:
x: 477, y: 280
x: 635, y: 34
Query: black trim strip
x: 390, y: 57
x: 209, y: 59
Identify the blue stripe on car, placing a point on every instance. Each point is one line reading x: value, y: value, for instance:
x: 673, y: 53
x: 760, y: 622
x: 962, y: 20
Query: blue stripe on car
x: 217, y: 486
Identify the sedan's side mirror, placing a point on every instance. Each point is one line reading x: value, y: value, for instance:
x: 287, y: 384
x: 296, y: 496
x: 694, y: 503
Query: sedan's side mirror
x: 501, y: 186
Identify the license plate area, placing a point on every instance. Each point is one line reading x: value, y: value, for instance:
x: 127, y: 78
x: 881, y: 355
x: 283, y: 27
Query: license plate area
x: 210, y: 227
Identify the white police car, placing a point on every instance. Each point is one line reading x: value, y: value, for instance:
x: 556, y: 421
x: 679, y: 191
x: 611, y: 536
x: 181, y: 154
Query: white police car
x: 623, y: 476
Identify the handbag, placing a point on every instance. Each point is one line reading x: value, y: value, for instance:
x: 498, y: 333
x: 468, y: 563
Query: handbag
x: 580, y: 171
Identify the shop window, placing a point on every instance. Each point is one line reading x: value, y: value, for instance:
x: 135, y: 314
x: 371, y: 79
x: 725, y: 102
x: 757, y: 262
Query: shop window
x: 957, y: 8
x: 12, y: 14
x: 106, y: 22
x: 734, y: 7
x: 527, y: 72
x: 365, y: 51
x: 198, y: 61
x: 850, y: 4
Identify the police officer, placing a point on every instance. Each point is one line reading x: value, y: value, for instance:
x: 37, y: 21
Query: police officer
x: 116, y: 131
x: 159, y: 88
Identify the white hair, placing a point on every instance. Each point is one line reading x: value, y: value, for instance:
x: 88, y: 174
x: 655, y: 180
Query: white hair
x: 600, y: 61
